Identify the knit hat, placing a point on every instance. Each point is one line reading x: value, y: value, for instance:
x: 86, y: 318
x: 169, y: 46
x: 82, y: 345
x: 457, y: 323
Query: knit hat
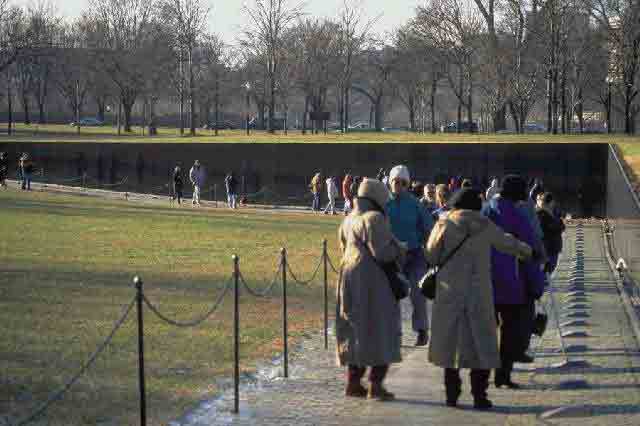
x: 399, y: 172
x: 374, y: 190
x: 514, y: 188
x: 467, y: 199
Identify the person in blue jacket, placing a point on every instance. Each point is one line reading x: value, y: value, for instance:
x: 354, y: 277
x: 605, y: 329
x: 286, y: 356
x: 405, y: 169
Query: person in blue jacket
x: 411, y: 224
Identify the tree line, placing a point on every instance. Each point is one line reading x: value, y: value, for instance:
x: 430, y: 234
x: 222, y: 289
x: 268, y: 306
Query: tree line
x: 499, y: 60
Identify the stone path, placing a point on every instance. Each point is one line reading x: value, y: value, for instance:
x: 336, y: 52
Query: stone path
x: 599, y: 385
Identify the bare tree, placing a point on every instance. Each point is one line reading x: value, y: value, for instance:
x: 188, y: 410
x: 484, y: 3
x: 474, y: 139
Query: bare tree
x: 122, y: 32
x: 70, y: 68
x: 14, y: 36
x: 187, y: 18
x: 455, y: 29
x: 269, y: 20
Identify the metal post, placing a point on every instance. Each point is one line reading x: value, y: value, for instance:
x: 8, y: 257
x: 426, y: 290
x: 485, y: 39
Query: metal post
x: 215, y: 193
x: 326, y: 295
x: 9, y: 104
x: 285, y: 336
x: 143, y: 403
x: 78, y: 106
x: 236, y: 335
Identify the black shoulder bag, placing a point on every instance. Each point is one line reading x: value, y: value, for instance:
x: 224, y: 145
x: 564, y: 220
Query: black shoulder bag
x: 397, y: 280
x: 427, y: 283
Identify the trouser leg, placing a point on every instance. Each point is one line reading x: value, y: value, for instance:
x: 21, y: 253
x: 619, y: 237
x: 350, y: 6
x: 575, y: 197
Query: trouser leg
x: 479, y: 383
x: 378, y: 373
x: 452, y: 384
x: 414, y: 270
x: 512, y: 340
x: 355, y: 373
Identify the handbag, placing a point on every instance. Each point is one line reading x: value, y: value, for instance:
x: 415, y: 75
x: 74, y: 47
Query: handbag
x: 397, y: 280
x: 428, y: 282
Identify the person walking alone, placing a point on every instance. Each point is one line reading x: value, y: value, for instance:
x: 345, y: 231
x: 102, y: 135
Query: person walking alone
x: 26, y: 167
x: 552, y: 229
x: 465, y: 336
x: 231, y: 184
x: 367, y: 312
x: 178, y: 184
x: 411, y: 224
x: 197, y: 176
x: 4, y: 169
x: 332, y: 194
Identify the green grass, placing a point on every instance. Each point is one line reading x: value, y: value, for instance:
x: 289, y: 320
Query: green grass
x: 66, y: 266
x: 65, y: 133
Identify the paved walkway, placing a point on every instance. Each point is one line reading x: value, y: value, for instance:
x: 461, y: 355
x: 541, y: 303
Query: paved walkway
x: 599, y: 385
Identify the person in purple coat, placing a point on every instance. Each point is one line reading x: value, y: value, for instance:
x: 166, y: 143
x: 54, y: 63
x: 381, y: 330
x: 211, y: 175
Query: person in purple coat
x: 516, y: 284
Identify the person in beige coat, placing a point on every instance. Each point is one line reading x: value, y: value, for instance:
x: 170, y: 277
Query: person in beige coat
x: 367, y: 313
x: 464, y: 320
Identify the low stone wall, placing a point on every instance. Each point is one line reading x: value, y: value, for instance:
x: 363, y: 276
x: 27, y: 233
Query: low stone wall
x: 574, y: 170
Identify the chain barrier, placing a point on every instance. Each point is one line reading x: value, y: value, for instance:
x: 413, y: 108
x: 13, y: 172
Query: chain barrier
x: 267, y: 291
x: 331, y: 265
x: 313, y: 276
x: 195, y: 322
x: 110, y: 185
x: 55, y: 397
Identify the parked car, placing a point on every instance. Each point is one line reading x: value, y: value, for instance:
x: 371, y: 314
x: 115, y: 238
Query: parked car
x: 465, y: 127
x: 534, y: 128
x: 222, y: 125
x: 88, y: 122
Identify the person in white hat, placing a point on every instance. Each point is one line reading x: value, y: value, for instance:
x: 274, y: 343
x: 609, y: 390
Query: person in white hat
x: 197, y: 176
x: 412, y: 225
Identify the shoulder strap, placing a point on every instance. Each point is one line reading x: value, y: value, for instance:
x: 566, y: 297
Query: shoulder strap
x: 450, y: 255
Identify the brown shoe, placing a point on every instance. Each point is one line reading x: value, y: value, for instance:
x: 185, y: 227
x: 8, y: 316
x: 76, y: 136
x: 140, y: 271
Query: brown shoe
x: 378, y: 392
x: 355, y: 390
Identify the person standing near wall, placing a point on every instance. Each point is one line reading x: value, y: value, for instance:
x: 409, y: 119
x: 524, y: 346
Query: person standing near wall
x: 411, y: 224
x: 178, y: 184
x: 27, y: 166
x: 347, y: 194
x: 552, y: 229
x: 332, y: 194
x: 197, y: 177
x: 4, y: 169
x: 231, y: 184
x: 316, y: 188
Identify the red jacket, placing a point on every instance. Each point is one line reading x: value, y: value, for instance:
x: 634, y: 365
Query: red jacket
x: 346, y: 187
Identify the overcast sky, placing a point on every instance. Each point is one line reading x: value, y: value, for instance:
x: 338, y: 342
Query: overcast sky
x: 227, y: 18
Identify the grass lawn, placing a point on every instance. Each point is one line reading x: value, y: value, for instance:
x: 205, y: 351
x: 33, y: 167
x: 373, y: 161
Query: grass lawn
x: 631, y: 156
x: 66, y: 264
x: 65, y: 133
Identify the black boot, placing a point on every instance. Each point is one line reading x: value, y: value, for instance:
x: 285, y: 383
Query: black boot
x: 453, y: 385
x: 479, y: 385
x: 503, y: 377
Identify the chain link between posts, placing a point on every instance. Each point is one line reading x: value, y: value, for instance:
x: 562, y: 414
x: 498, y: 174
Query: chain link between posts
x: 267, y: 291
x: 59, y: 394
x: 193, y: 323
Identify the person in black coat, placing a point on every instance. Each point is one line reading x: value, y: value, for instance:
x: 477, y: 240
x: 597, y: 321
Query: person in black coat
x: 552, y: 229
x: 4, y: 169
x: 178, y: 184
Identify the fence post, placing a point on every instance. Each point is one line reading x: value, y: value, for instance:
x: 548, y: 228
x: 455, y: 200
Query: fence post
x: 285, y: 331
x: 236, y: 335
x: 215, y: 193
x: 143, y: 401
x: 326, y: 295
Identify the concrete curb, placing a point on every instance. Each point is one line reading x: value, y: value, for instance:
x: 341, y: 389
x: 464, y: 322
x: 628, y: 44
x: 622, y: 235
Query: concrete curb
x: 626, y: 301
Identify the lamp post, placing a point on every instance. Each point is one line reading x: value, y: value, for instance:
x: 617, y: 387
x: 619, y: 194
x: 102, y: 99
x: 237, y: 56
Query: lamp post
x: 247, y: 86
x: 608, y: 80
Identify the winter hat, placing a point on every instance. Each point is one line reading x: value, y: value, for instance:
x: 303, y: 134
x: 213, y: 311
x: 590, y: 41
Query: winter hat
x: 514, y: 188
x: 467, y: 199
x: 374, y: 190
x: 400, y: 172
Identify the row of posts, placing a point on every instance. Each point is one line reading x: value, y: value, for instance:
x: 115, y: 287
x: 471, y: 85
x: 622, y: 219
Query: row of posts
x: 236, y: 327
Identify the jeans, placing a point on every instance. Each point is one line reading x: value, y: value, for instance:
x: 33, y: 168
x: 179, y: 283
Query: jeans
x: 315, y: 206
x: 232, y: 200
x: 347, y: 206
x: 552, y: 262
x: 414, y: 269
x: 196, y: 194
x: 26, y: 181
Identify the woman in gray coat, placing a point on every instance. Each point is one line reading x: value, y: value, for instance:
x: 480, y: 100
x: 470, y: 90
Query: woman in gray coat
x: 367, y: 313
x: 464, y: 332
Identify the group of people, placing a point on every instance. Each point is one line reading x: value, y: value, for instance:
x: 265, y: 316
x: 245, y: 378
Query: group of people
x: 197, y: 177
x: 494, y: 250
x: 26, y: 169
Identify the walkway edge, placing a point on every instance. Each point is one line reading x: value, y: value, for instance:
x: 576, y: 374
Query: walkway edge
x: 626, y: 301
